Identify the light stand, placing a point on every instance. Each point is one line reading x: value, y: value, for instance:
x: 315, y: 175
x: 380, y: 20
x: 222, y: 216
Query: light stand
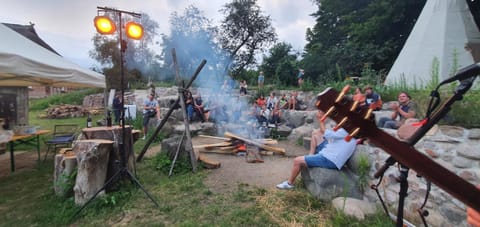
x: 123, y: 171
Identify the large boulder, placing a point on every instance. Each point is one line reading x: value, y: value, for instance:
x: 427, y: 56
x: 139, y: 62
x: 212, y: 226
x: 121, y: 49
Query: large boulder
x: 326, y: 184
x: 354, y: 207
x: 294, y: 118
x: 300, y: 132
x: 170, y: 145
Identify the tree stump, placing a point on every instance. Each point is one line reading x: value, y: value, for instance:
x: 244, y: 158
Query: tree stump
x: 64, y: 173
x: 92, y: 159
x: 114, y: 133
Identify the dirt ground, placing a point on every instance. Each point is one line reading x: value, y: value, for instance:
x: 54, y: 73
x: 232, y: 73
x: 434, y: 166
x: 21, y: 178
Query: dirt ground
x: 234, y: 169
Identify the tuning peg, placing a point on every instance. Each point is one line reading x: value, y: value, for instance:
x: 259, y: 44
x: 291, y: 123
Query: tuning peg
x: 368, y: 114
x: 342, y: 93
x: 329, y: 111
x: 354, y: 106
x: 351, y: 135
x: 340, y: 124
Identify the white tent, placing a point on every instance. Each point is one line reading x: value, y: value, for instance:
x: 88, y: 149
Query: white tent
x: 446, y: 31
x: 25, y: 63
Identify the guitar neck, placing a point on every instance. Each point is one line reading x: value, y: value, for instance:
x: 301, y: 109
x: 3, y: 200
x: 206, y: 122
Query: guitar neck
x: 360, y: 123
x: 427, y: 168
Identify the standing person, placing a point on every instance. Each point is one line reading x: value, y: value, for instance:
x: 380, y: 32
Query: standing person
x: 372, y: 99
x: 151, y: 109
x: 243, y: 87
x: 404, y: 109
x: 333, y: 156
x: 301, y: 74
x: 261, y: 79
x: 117, y: 106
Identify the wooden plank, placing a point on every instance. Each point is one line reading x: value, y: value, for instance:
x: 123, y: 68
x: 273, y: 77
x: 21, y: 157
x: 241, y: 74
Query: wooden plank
x: 214, y: 137
x: 253, y: 142
x: 222, y: 144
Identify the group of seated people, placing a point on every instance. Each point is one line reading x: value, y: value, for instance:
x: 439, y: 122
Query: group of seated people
x: 268, y: 111
x: 212, y: 109
x: 403, y: 109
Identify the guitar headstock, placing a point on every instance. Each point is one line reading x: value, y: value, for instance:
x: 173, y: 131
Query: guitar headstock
x: 357, y: 120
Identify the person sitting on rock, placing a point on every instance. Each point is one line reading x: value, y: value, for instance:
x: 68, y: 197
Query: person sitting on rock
x: 199, y: 107
x: 404, y: 109
x: 283, y: 102
x: 271, y: 101
x: 373, y: 100
x: 317, y: 142
x: 292, y: 102
x: 359, y: 97
x: 333, y: 155
x: 275, y: 117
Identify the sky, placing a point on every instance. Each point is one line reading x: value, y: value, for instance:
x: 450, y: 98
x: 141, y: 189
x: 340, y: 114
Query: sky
x: 67, y: 25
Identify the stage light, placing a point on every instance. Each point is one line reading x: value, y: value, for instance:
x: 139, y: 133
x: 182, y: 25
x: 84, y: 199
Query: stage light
x: 134, y: 30
x: 104, y: 25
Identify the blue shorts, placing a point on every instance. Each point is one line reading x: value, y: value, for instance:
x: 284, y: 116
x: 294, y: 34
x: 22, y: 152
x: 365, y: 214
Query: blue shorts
x: 320, y: 146
x: 318, y: 160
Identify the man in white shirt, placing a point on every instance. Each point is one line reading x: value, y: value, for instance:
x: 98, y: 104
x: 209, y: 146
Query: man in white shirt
x: 333, y: 156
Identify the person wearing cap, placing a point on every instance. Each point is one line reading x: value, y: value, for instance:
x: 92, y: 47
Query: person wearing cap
x: 403, y: 110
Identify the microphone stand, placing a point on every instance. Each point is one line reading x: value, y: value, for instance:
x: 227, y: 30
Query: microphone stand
x: 464, y: 86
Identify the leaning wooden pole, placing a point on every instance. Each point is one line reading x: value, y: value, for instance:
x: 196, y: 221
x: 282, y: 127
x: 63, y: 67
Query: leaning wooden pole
x: 188, y: 141
x: 167, y: 115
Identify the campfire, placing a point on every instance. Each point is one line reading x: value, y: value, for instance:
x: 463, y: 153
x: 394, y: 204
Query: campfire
x: 237, y: 145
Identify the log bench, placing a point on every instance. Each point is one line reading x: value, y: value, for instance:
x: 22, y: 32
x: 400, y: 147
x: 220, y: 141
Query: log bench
x: 95, y: 155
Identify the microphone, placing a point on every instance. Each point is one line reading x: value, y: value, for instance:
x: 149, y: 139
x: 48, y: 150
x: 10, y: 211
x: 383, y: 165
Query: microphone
x: 464, y: 73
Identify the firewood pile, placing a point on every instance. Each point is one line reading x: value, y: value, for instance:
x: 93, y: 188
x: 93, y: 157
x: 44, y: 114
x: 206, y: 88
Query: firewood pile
x: 67, y: 111
x: 234, y: 144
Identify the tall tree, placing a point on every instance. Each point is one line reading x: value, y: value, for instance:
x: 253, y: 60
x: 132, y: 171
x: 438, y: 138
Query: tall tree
x: 280, y: 64
x: 139, y: 59
x: 193, y: 37
x: 244, y: 32
x: 351, y: 34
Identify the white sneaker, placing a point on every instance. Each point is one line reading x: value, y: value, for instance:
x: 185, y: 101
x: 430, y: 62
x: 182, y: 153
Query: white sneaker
x: 285, y: 185
x: 143, y: 138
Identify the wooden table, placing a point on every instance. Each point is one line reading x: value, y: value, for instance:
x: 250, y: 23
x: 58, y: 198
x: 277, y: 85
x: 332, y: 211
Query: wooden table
x: 29, y: 139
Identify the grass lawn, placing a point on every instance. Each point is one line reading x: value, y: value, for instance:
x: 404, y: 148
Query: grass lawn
x: 27, y: 199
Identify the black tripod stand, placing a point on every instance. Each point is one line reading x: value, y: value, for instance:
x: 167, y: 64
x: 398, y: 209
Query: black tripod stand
x: 123, y: 172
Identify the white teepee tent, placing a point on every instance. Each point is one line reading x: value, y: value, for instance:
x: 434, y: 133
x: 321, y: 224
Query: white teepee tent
x: 445, y: 31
